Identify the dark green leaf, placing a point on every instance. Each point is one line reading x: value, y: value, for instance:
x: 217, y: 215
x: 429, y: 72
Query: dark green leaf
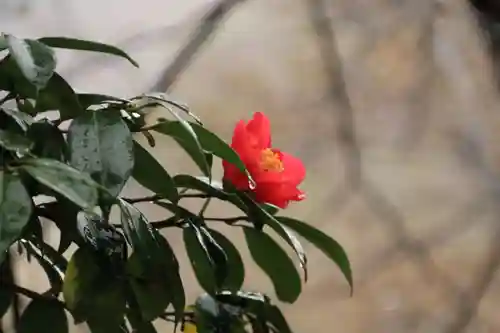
x: 201, y: 184
x: 59, y: 95
x: 260, y: 216
x: 15, y: 142
x: 150, y: 174
x: 3, y: 43
x: 5, y: 301
x: 212, y: 143
x: 186, y: 137
x: 200, y: 258
x: 218, y: 256
x: 67, y: 181
x: 87, y: 100
x: 154, y: 252
x: 40, y: 312
x: 236, y: 269
x: 325, y: 243
x: 35, y: 60
x: 85, y: 45
x: 49, y: 141
x: 15, y: 210
x: 101, y: 145
x: 275, y: 263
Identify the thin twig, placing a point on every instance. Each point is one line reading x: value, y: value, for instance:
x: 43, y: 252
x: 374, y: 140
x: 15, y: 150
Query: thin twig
x: 204, y: 31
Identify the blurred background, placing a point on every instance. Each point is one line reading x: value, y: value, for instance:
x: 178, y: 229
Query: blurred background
x: 392, y: 104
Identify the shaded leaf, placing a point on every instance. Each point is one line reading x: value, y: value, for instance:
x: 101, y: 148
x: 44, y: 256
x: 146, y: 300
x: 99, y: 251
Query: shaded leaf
x: 59, y: 95
x: 41, y: 311
x: 85, y: 45
x: 36, y: 61
x: 152, y: 295
x: 15, y: 210
x: 5, y: 301
x: 182, y: 132
x: 22, y: 119
x: 275, y: 263
x: 15, y: 142
x: 331, y: 248
x: 65, y: 180
x: 52, y: 146
x: 236, y: 272
x: 101, y: 145
x: 87, y: 99
x: 149, y: 173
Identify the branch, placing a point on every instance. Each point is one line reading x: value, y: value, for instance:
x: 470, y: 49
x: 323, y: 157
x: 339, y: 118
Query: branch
x: 203, y: 32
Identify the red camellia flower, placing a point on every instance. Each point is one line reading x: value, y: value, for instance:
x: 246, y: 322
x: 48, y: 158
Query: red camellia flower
x: 276, y: 174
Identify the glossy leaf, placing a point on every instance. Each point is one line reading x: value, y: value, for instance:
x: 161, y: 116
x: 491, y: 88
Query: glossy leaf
x: 275, y: 263
x: 149, y: 173
x: 201, y: 184
x: 15, y: 210
x: 236, y: 271
x: 41, y: 311
x: 200, y: 258
x: 36, y: 61
x: 101, y: 145
x: 182, y: 132
x: 331, y: 248
x: 22, y: 119
x: 85, y: 45
x: 67, y: 181
x: 15, y: 142
x: 59, y: 95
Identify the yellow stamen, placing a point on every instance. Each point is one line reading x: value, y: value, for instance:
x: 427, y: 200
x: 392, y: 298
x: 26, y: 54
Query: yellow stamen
x: 270, y: 161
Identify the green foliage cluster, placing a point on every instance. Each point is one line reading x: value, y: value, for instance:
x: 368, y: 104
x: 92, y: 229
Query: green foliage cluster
x: 124, y: 274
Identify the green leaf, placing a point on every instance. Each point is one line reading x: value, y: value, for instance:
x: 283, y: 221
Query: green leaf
x: 59, y: 95
x: 41, y: 311
x: 79, y: 278
x: 52, y: 146
x: 150, y: 174
x: 85, y: 45
x: 63, y: 179
x: 275, y: 263
x: 15, y: 142
x: 182, y: 132
x: 323, y: 242
x: 212, y: 143
x: 36, y: 61
x: 218, y: 256
x: 260, y: 216
x: 236, y: 269
x: 199, y: 256
x: 15, y: 210
x: 101, y: 145
x: 152, y: 295
x: 201, y: 184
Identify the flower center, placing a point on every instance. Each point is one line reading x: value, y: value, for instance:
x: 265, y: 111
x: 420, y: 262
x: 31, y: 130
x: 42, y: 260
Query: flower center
x: 270, y: 161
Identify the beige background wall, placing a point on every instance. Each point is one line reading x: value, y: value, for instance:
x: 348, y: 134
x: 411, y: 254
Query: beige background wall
x: 421, y: 223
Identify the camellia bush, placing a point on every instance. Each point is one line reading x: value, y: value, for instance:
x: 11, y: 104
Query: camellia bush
x: 65, y: 158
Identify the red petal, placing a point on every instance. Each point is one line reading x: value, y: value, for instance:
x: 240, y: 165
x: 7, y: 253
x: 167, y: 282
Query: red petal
x: 278, y: 194
x: 260, y: 128
x: 293, y: 169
